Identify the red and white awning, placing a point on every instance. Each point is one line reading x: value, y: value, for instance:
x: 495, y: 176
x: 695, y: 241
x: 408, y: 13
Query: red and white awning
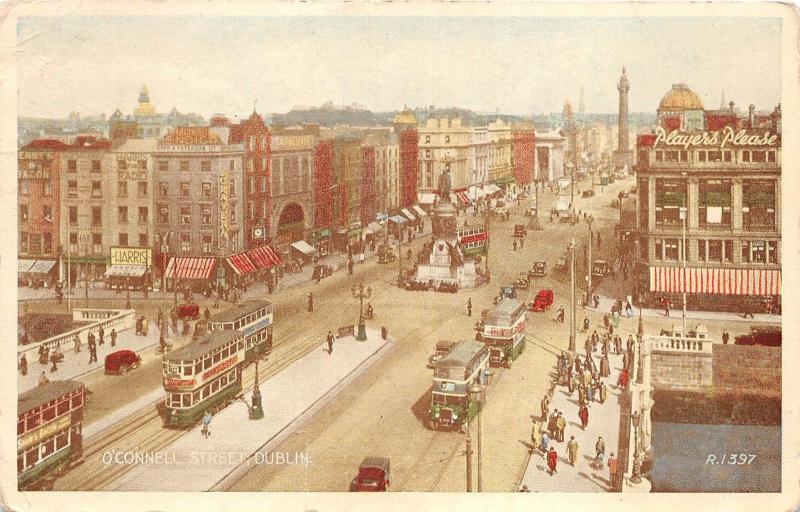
x: 190, y: 268
x: 715, y: 281
x: 241, y: 264
x: 462, y: 196
x: 264, y: 257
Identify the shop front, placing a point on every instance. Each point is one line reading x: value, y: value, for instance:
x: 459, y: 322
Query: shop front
x: 190, y: 273
x: 37, y: 273
x: 130, y: 267
x: 303, y: 251
x: 321, y: 240
x: 241, y: 269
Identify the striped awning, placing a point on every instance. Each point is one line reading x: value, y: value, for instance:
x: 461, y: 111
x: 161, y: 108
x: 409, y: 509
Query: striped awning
x: 241, y: 264
x: 398, y: 219
x: 190, y: 268
x: 408, y: 214
x: 462, y: 196
x: 264, y: 257
x: 715, y: 281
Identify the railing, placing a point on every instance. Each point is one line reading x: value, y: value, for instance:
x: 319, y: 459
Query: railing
x: 680, y: 344
x: 96, y: 318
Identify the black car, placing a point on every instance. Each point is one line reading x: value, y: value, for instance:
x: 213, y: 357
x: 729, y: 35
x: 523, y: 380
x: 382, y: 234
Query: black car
x: 769, y: 336
x: 587, y: 193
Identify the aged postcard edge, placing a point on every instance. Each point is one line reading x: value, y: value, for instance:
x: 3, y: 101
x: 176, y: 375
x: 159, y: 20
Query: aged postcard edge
x: 13, y: 500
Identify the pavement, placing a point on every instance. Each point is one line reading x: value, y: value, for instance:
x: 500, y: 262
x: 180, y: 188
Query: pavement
x: 603, y: 421
x: 198, y: 463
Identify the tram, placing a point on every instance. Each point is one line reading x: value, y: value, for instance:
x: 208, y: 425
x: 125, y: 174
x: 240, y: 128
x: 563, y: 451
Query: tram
x: 451, y: 404
x: 254, y: 319
x: 473, y: 240
x: 49, y: 427
x: 203, y: 376
x: 504, y: 332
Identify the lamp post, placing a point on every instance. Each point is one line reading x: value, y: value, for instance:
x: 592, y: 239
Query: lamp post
x: 468, y: 453
x: 589, y: 221
x: 361, y: 294
x: 571, y: 249
x: 683, y: 258
x: 476, y: 394
x: 127, y: 293
x: 636, y: 476
x: 639, y: 337
x: 256, y: 410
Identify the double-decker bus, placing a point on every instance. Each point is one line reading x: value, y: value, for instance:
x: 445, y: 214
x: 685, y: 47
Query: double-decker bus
x: 473, y: 239
x: 451, y: 404
x: 254, y: 319
x: 504, y: 331
x: 49, y: 420
x: 205, y: 375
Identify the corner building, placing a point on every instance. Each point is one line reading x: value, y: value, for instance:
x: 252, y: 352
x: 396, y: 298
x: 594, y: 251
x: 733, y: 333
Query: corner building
x: 723, y: 169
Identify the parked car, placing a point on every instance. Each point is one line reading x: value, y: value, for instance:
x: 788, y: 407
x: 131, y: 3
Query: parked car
x: 506, y: 292
x: 543, y: 301
x: 767, y: 335
x: 587, y: 193
x: 321, y: 271
x: 522, y: 281
x: 414, y: 285
x: 386, y: 254
x: 442, y: 348
x: 189, y: 311
x: 520, y: 230
x: 539, y: 269
x: 373, y: 475
x: 600, y: 268
x: 119, y: 362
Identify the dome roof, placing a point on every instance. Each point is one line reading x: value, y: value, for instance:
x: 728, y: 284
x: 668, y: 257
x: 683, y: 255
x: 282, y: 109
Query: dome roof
x: 405, y: 117
x: 680, y: 97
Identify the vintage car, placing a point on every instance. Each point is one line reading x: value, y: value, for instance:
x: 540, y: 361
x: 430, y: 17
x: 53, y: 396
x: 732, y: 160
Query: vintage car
x: 442, y: 348
x: 699, y: 332
x: 506, y: 292
x: 386, y: 254
x: 600, y: 268
x: 119, y: 362
x: 767, y: 335
x: 543, y: 301
x: 373, y: 475
x: 539, y: 269
x: 561, y: 263
x: 188, y: 311
x: 520, y: 230
x: 414, y: 285
x: 523, y: 281
x: 587, y: 193
x: 321, y: 271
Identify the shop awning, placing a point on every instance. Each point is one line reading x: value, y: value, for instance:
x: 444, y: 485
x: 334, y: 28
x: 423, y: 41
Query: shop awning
x: 42, y: 267
x: 462, y: 196
x: 373, y: 228
x: 420, y: 212
x: 381, y: 217
x: 126, y: 271
x: 190, y: 268
x: 24, y: 265
x: 715, y: 281
x: 397, y: 219
x: 408, y: 214
x: 264, y: 257
x: 427, y: 198
x: 491, y: 188
x: 241, y: 264
x: 303, y: 247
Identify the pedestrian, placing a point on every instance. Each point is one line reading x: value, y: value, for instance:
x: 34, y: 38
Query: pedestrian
x: 23, y: 365
x: 92, y: 349
x: 469, y: 306
x: 572, y: 450
x: 629, y: 309
x: 605, y: 366
x: 578, y: 365
x: 545, y: 442
x: 551, y: 424
x: 545, y: 406
x: 54, y: 360
x: 560, y: 314
x: 162, y: 343
x: 207, y: 315
x: 666, y: 308
x: 160, y: 318
x: 561, y: 424
x: 524, y: 488
x: 606, y: 344
x: 571, y: 383
x: 43, y: 379
x: 514, y: 244
x: 625, y: 360
x: 310, y: 302
x: 206, y: 422
x: 603, y: 392
x: 552, y: 461
x: 521, y: 243
x: 623, y: 379
x: 113, y: 337
x: 76, y: 343
x: 613, y: 465
x: 725, y: 337
x: 536, y: 435
x: 583, y: 414
x: 101, y: 333
x: 590, y: 392
x: 617, y: 344
x: 586, y: 324
x: 330, y: 343
x: 350, y: 266
x: 600, y: 452
x: 588, y: 346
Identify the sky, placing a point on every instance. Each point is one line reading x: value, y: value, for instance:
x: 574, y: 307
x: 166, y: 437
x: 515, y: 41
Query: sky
x: 517, y: 65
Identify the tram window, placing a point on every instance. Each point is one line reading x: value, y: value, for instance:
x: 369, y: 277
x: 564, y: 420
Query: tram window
x: 20, y: 427
x: 62, y: 440
x: 175, y: 399
x: 48, y: 447
x: 33, y: 421
x: 186, y: 399
x: 236, y: 325
x: 20, y: 462
x: 32, y: 456
x: 187, y: 370
x: 206, y: 391
x: 207, y: 363
x: 77, y: 401
x: 198, y: 368
x: 217, y: 358
x: 63, y: 407
x: 214, y: 386
x: 49, y: 414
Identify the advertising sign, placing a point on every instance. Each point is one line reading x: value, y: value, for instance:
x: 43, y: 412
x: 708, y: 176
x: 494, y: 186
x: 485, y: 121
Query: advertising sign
x: 141, y: 256
x: 726, y: 136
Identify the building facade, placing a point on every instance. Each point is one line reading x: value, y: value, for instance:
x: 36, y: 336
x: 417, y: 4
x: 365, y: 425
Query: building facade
x: 501, y: 170
x: 719, y: 190
x: 347, y: 188
x: 292, y: 171
x: 524, y: 154
x: 479, y: 155
x: 550, y: 149
x: 444, y: 146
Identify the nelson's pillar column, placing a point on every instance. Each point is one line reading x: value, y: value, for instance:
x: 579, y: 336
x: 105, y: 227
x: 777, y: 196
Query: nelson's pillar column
x: 623, y: 156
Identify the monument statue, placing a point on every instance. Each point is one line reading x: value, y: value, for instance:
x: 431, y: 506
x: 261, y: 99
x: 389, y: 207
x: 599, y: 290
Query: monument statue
x: 444, y: 186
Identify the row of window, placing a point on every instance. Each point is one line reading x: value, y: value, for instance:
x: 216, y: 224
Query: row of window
x: 45, y: 414
x: 208, y: 360
x: 186, y: 400
x: 716, y: 251
x: 747, y: 156
x: 185, y: 214
x: 35, y: 243
x: 42, y: 451
x: 185, y: 166
x: 25, y: 188
x: 241, y: 322
x: 24, y: 212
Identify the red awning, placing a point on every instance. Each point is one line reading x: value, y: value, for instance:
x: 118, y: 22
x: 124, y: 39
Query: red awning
x: 190, y: 268
x: 462, y: 196
x: 241, y: 264
x: 715, y: 281
x: 264, y: 257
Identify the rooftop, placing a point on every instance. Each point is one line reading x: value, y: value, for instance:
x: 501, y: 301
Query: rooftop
x: 40, y: 395
x: 680, y: 97
x: 192, y: 135
x: 195, y: 350
x: 244, y: 309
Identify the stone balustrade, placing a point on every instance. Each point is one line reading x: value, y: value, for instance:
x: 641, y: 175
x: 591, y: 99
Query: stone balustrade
x: 108, y: 319
x: 680, y: 344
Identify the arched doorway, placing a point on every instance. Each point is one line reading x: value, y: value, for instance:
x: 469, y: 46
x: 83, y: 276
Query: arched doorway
x: 290, y: 224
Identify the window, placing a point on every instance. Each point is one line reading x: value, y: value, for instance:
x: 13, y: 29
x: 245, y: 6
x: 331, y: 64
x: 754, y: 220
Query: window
x: 758, y: 204
x: 184, y: 165
x: 233, y: 189
x: 186, y: 214
x: 251, y: 183
x: 727, y: 155
x: 447, y: 139
x: 671, y: 250
x: 671, y: 156
x: 205, y: 166
x: 122, y: 189
x: 659, y: 156
x: 727, y: 251
x: 184, y: 189
x: 714, y: 156
x: 427, y: 139
x: 427, y: 153
x: 207, y: 245
x: 35, y: 243
x: 163, y: 189
x: 73, y: 242
x: 715, y: 203
x: 23, y: 241
x: 163, y: 214
x: 659, y: 255
x: 142, y: 215
x: 23, y: 213
x: 72, y: 188
x: 205, y: 215
x: 206, y: 188
x: 702, y: 250
x: 96, y: 166
x: 233, y: 213
x: 263, y: 184
x: 73, y: 215
x: 48, y: 189
x: 97, y: 242
x: 72, y: 166
x: 745, y: 156
x: 771, y: 156
x: 758, y: 251
x: 123, y: 239
x: 670, y: 200
x: 772, y: 252
x: 715, y: 251
x: 122, y: 214
x: 251, y: 211
x: 163, y: 165
x: 759, y: 156
x: 232, y: 165
x: 186, y: 242
x: 97, y: 189
x: 97, y: 215
x: 142, y: 189
x: 701, y: 156
x: 47, y: 212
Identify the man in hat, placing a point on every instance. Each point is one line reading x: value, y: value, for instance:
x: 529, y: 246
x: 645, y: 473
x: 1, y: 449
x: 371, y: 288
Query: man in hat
x: 561, y: 424
x: 600, y: 452
x: 552, y: 461
x: 572, y: 450
x: 583, y: 414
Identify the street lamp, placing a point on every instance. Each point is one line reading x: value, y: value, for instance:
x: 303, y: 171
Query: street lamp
x: 683, y: 258
x: 589, y: 221
x: 476, y: 395
x: 256, y: 411
x: 571, y: 249
x: 127, y: 293
x: 636, y: 476
x: 361, y: 294
x: 639, y: 337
